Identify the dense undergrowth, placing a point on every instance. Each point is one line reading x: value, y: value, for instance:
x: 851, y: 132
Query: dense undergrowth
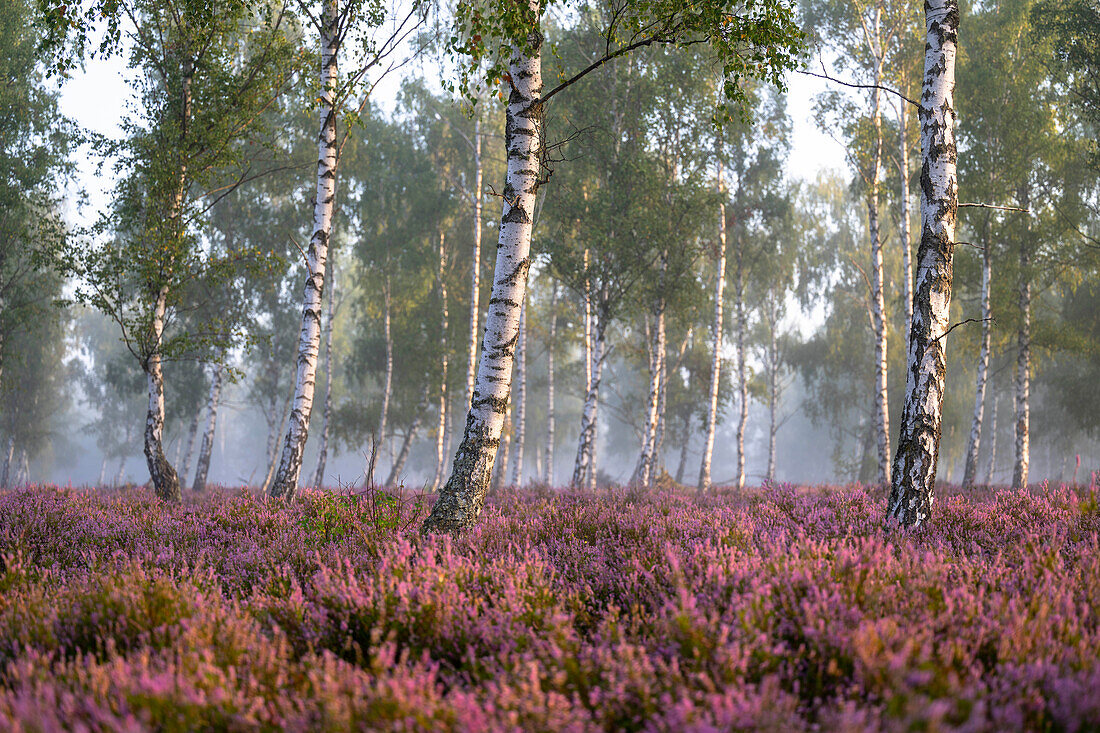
x: 781, y: 610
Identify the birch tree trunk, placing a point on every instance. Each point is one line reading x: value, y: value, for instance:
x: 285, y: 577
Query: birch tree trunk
x: 4, y: 479
x: 441, y: 432
x: 121, y: 475
x: 716, y: 342
x: 23, y: 475
x: 475, y: 265
x: 387, y: 381
x: 580, y: 476
x: 584, y: 471
x: 773, y: 385
x: 906, y: 248
x: 643, y: 472
x: 742, y: 371
x: 992, y: 441
x: 403, y: 455
x: 102, y: 472
x: 551, y: 340
x: 285, y: 485
x: 165, y: 481
x: 326, y: 415
x: 521, y: 397
x: 504, y: 451
x: 192, y: 433
x: 878, y: 301
x: 202, y: 469
x: 273, y: 448
x: 970, y: 470
x: 914, y: 473
x: 1023, y: 356
x: 462, y: 498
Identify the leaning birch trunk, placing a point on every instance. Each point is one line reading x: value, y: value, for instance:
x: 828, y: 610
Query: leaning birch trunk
x: 403, y: 454
x: 715, y: 342
x: 992, y: 441
x: 742, y: 370
x: 326, y: 415
x: 192, y: 433
x: 387, y: 380
x: 462, y: 498
x: 202, y: 469
x: 906, y: 249
x: 475, y: 268
x: 549, y: 475
x: 441, y: 428
x: 165, y: 481
x: 914, y: 474
x: 1023, y: 357
x: 521, y: 397
x: 970, y: 470
x: 878, y: 301
x: 285, y: 485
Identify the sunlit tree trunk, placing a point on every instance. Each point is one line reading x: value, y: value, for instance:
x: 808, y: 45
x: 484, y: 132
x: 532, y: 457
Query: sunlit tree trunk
x: 643, y: 472
x: 550, y: 343
x: 662, y: 401
x: 715, y: 342
x: 202, y: 469
x: 584, y: 468
x: 192, y: 433
x: 740, y: 327
x: 462, y: 498
x: 914, y: 472
x: 970, y: 471
x: 773, y: 382
x: 1023, y: 355
x: 878, y: 300
x: 273, y: 445
x: 992, y: 441
x: 475, y: 268
x: 521, y: 397
x: 165, y: 481
x: 102, y: 472
x: 326, y: 414
x: 906, y: 248
x: 504, y: 450
x: 285, y: 484
x: 441, y: 428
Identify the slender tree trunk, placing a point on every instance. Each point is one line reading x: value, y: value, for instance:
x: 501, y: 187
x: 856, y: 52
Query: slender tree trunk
x: 521, y: 396
x: 584, y: 470
x: 462, y: 498
x: 716, y: 342
x: 285, y: 484
x: 970, y: 470
x: 102, y: 472
x: 273, y: 448
x: 22, y: 477
x: 1023, y: 355
x: 580, y: 468
x: 742, y: 371
x: 914, y: 474
x: 878, y: 300
x: 165, y: 481
x: 403, y: 455
x: 121, y: 475
x: 504, y: 451
x: 387, y: 381
x: 992, y: 441
x: 550, y: 343
x: 684, y: 446
x: 475, y: 269
x: 192, y: 433
x: 326, y: 415
x: 773, y: 384
x: 441, y: 431
x: 906, y: 247
x: 645, y: 470
x: 202, y: 469
x: 5, y: 478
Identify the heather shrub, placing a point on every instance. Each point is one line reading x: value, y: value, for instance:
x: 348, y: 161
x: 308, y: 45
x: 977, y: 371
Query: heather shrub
x: 780, y: 608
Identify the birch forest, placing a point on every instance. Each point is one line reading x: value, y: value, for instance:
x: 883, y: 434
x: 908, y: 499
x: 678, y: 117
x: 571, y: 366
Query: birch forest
x: 601, y: 312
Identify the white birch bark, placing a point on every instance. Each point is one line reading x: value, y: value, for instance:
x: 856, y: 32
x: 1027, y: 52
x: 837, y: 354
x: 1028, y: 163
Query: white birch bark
x: 202, y: 468
x: 773, y: 383
x: 326, y: 414
x: 121, y: 475
x: 742, y: 369
x: 23, y: 475
x: 970, y: 470
x: 906, y: 247
x: 521, y: 398
x: 643, y: 472
x: 584, y: 470
x: 715, y: 342
x: 504, y: 451
x: 285, y: 485
x: 1023, y: 357
x: 273, y: 447
x: 550, y: 416
x: 462, y: 498
x: 192, y: 433
x: 441, y: 428
x: 878, y: 300
x: 662, y: 401
x: 475, y: 268
x: 580, y: 467
x: 102, y: 472
x: 6, y: 477
x: 166, y: 483
x: 914, y: 474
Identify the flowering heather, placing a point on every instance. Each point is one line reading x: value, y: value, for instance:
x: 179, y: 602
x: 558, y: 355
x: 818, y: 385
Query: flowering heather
x: 781, y: 610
